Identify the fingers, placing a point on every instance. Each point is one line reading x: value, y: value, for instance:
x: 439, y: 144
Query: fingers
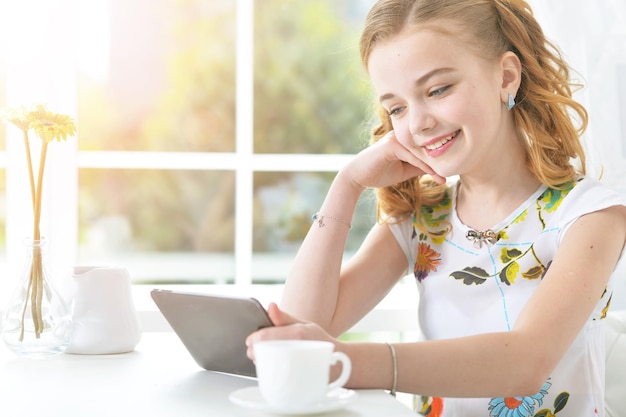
x: 279, y: 317
x: 285, y: 327
x: 388, y: 162
x: 287, y: 332
x: 402, y: 153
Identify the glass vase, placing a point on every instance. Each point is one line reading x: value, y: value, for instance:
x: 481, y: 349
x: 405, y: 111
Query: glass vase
x: 37, y: 320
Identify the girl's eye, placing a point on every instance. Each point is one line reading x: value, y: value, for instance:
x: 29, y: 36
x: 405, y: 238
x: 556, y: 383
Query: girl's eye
x: 438, y: 91
x: 395, y: 112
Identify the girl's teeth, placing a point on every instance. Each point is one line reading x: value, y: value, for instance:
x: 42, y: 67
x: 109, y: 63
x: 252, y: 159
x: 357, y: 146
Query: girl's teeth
x: 439, y: 144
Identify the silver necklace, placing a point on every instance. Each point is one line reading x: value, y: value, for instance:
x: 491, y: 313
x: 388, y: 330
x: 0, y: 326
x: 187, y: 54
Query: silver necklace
x: 488, y: 237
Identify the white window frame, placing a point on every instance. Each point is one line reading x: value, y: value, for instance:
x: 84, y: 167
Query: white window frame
x: 60, y: 221
x: 58, y: 89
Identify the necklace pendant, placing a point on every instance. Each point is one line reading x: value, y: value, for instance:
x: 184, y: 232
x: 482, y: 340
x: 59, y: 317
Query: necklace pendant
x: 488, y: 237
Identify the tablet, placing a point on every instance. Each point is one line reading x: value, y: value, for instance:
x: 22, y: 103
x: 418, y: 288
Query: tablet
x: 214, y: 328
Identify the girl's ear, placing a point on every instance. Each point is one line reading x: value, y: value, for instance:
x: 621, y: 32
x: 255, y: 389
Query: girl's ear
x: 511, y: 68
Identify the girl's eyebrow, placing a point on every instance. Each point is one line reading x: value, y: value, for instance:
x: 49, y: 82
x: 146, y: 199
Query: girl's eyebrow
x: 421, y: 81
x: 424, y: 78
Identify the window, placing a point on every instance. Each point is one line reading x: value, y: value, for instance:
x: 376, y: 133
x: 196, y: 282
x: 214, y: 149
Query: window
x: 209, y: 130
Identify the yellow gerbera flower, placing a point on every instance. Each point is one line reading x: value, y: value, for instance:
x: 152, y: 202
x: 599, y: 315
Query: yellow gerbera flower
x: 17, y: 116
x: 51, y: 126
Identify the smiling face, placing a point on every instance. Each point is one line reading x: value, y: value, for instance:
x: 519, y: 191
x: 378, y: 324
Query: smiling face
x: 445, y: 101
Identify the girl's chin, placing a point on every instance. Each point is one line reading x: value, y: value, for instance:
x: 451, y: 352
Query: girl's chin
x: 445, y: 173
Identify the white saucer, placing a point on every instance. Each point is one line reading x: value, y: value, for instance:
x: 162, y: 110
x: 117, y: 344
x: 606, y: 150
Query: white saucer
x: 251, y: 397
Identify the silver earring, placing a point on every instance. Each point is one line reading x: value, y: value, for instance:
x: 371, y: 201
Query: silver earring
x: 511, y: 102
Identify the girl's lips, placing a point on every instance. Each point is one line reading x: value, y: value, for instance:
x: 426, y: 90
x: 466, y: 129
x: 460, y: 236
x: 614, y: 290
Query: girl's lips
x: 439, y: 146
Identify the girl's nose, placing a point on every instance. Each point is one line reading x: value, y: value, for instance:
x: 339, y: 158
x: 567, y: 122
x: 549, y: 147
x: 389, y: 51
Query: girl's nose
x: 420, y: 121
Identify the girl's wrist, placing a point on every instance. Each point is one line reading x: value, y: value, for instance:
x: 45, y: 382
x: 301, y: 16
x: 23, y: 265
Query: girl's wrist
x: 336, y: 370
x: 341, y: 200
x: 346, y: 181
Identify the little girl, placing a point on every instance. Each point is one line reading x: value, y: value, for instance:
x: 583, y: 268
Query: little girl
x: 512, y: 258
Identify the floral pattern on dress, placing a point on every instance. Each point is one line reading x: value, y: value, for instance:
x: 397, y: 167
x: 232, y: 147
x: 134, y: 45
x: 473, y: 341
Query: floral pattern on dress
x: 427, y: 260
x: 429, y: 406
x: 523, y: 406
x: 506, y: 256
x: 606, y: 307
x: 433, y: 226
x: 433, y: 221
x: 551, y: 199
x: 509, y: 268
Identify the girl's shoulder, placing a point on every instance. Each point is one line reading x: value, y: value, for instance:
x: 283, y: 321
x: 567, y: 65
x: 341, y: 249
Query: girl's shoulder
x: 583, y: 196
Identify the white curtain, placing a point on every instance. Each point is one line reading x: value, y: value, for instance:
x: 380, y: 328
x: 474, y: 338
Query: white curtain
x: 592, y: 37
x: 591, y: 34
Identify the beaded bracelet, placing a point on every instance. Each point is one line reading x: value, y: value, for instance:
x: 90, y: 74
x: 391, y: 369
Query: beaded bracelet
x: 319, y: 218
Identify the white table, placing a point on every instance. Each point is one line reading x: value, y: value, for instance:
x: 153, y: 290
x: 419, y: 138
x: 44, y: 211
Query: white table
x: 158, y: 379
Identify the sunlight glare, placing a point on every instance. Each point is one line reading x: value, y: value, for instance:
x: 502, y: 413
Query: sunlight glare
x: 40, y: 54
x: 46, y: 41
x: 93, y: 38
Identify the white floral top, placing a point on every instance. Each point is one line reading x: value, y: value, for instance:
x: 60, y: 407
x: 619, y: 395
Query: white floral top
x: 466, y: 289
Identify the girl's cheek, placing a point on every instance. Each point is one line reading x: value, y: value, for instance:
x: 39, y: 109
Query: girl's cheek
x: 403, y: 135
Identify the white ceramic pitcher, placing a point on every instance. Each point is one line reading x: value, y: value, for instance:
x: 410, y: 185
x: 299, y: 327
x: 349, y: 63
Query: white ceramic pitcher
x: 104, y: 317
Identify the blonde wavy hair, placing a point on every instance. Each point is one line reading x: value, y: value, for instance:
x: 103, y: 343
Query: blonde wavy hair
x: 545, y: 110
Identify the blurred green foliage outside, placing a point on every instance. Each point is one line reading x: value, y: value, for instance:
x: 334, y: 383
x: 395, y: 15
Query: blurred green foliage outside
x: 310, y: 96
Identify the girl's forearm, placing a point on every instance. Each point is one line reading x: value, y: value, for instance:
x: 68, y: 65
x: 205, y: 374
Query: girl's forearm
x: 312, y: 284
x: 487, y: 365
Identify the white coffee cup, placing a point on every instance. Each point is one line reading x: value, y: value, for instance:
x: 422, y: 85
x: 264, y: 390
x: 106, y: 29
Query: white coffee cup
x: 294, y: 374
